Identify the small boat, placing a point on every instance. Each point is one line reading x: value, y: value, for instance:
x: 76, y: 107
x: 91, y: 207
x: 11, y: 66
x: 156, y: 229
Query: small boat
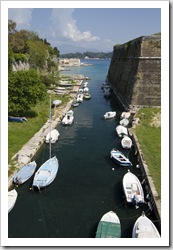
x: 126, y: 142
x: 24, y: 173
x: 87, y: 96
x: 86, y: 89
x: 17, y: 119
x: 12, y: 197
x: 75, y: 104
x: 120, y: 158
x: 109, y: 226
x: 80, y: 91
x: 85, y: 84
x: 107, y: 93
x: 133, y: 189
x: 46, y: 174
x: 79, y: 97
x: 121, y: 130
x: 109, y: 115
x: 125, y: 115
x: 144, y: 228
x: 104, y: 85
x: 68, y: 118
x: 56, y: 103
x: 124, y: 122
x: 52, y: 136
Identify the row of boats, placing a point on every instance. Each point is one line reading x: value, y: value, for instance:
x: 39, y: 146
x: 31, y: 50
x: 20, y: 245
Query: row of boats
x: 110, y: 227
x: 47, y: 172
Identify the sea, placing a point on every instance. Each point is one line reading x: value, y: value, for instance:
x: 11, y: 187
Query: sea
x: 88, y: 183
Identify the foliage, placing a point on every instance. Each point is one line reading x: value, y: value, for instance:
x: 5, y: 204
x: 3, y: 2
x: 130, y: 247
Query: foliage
x: 38, y: 51
x: 25, y: 89
x: 149, y: 137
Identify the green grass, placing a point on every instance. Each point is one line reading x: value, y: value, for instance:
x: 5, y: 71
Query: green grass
x: 149, y: 137
x: 21, y: 133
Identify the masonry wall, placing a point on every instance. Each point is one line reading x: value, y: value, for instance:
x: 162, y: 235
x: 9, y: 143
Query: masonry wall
x: 135, y: 72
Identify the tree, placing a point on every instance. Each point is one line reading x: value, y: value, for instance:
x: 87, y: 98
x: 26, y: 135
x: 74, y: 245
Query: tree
x: 25, y: 89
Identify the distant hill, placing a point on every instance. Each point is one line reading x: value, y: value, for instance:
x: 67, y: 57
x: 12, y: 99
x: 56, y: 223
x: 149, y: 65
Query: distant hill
x: 100, y: 55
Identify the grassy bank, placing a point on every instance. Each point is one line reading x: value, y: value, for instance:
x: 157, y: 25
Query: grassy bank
x: 149, y: 136
x: 21, y: 133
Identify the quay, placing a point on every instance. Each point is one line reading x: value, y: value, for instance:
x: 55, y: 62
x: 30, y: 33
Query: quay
x: 29, y: 150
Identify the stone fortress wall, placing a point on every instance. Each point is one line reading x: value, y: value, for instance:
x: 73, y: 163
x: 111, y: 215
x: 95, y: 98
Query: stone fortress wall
x: 135, y: 72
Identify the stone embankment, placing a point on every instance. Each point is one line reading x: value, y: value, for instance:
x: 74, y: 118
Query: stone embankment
x: 29, y: 150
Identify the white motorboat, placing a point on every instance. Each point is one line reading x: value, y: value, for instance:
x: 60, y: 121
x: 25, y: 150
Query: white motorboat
x: 121, y: 130
x: 109, y: 226
x: 12, y: 197
x: 124, y: 122
x: 86, y: 90
x: 79, y: 97
x: 133, y: 189
x: 109, y: 115
x: 52, y: 136
x: 126, y: 142
x: 68, y: 118
x: 85, y: 84
x: 144, y: 228
x: 125, y: 115
x: 24, y: 173
x: 120, y: 158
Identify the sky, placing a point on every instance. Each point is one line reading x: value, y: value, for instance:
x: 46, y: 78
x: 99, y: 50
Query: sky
x: 87, y: 29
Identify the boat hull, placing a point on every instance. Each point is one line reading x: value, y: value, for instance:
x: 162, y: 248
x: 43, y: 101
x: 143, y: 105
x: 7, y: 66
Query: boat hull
x: 144, y: 228
x: 133, y: 189
x: 53, y: 136
x: 24, y: 173
x: 12, y: 197
x: 46, y: 174
x: 109, y: 226
x: 120, y: 158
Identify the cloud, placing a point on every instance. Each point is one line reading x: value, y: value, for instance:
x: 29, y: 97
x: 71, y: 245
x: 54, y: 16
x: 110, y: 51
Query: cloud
x: 63, y: 20
x: 22, y: 17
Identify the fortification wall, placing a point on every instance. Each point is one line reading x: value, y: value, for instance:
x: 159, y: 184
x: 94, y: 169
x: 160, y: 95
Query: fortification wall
x: 135, y: 72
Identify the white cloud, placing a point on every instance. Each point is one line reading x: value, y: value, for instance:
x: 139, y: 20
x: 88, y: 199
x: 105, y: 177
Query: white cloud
x: 64, y: 22
x: 22, y: 17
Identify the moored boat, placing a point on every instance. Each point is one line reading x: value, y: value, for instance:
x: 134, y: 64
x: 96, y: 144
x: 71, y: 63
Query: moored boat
x: 12, y: 197
x: 109, y: 226
x: 124, y: 122
x: 68, y: 118
x: 126, y: 142
x: 133, y: 189
x: 24, y: 173
x: 52, y: 136
x: 120, y: 158
x: 144, y: 228
x: 46, y: 174
x: 87, y: 96
x: 109, y: 115
x: 121, y: 131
